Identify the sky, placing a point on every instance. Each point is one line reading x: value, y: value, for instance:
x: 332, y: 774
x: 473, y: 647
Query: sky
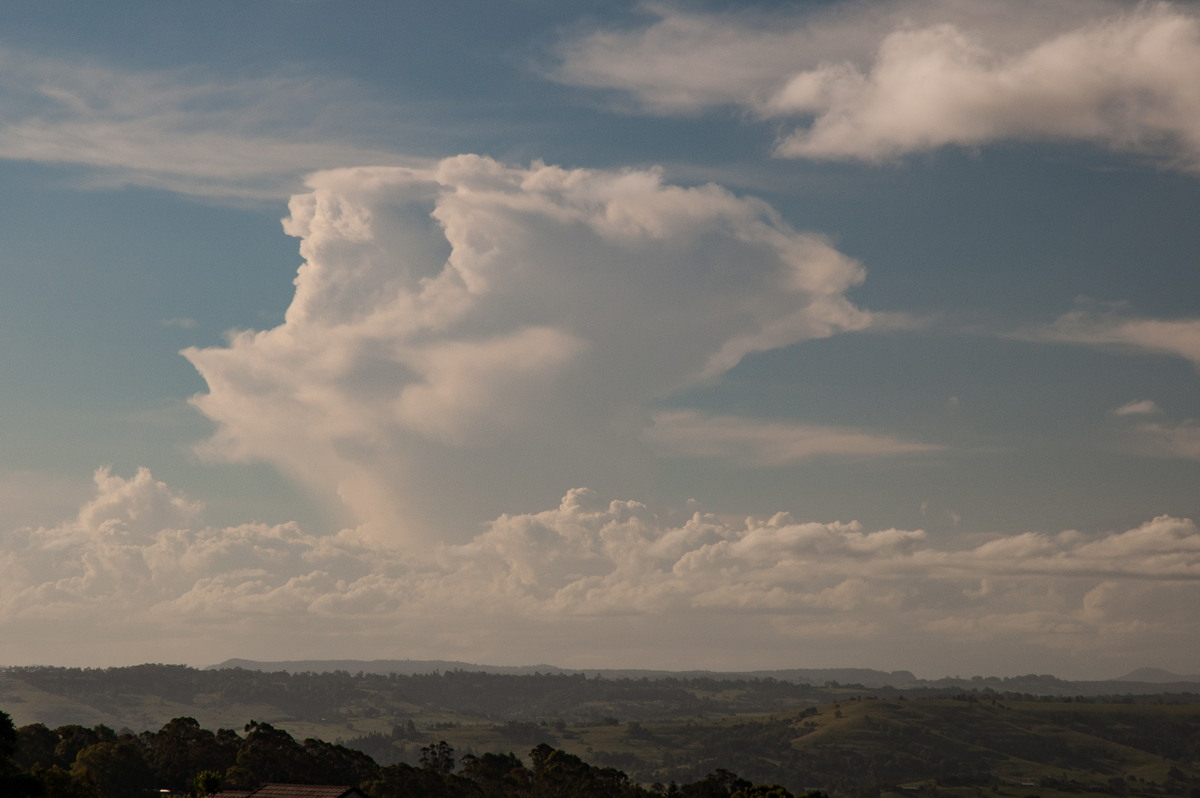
x: 686, y: 335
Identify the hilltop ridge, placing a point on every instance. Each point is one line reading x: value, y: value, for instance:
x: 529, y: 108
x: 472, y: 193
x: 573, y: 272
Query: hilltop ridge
x: 867, y: 677
x: 1139, y: 681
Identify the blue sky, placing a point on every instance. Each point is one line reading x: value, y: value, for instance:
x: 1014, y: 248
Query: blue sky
x: 602, y: 334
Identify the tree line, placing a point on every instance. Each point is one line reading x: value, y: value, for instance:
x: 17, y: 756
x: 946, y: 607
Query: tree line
x: 74, y: 761
x: 333, y: 694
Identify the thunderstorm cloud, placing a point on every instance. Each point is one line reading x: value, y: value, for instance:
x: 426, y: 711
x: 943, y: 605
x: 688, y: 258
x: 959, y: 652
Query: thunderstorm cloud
x: 479, y: 338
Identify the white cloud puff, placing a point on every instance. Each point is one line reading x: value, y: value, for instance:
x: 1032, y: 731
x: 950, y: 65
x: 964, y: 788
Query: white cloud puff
x: 136, y: 545
x: 876, y: 81
x: 593, y: 582
x: 464, y: 337
x: 1138, y: 407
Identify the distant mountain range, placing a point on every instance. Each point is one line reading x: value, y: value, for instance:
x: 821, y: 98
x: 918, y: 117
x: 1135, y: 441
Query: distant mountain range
x: 1157, y: 676
x: 1154, y: 679
x: 817, y: 676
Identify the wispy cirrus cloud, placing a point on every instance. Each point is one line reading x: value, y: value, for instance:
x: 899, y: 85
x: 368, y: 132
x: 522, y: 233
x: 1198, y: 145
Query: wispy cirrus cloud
x: 1110, y: 327
x: 185, y: 130
x: 1138, y: 407
x: 759, y: 443
x: 881, y: 80
x: 1177, y: 440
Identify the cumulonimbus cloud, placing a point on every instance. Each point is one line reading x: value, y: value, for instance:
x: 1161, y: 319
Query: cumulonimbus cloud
x: 464, y: 338
x: 138, y: 568
x: 877, y: 81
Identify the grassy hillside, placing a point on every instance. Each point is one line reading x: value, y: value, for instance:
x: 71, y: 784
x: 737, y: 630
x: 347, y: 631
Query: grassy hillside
x: 847, y: 741
x: 967, y: 747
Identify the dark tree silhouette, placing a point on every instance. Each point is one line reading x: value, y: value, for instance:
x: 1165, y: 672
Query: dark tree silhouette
x: 438, y: 757
x: 115, y: 769
x: 12, y: 781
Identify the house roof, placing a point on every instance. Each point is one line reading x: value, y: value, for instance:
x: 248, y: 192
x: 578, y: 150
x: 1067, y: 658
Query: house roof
x: 294, y: 791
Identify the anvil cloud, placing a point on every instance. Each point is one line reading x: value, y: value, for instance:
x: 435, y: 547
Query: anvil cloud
x: 479, y: 326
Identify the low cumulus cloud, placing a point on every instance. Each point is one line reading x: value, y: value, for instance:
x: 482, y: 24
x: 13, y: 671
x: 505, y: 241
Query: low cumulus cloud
x: 477, y: 338
x: 877, y: 81
x: 138, y: 568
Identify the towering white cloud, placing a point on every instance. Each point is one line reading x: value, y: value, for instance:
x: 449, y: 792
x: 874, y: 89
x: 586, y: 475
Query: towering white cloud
x: 466, y: 339
x: 876, y: 81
